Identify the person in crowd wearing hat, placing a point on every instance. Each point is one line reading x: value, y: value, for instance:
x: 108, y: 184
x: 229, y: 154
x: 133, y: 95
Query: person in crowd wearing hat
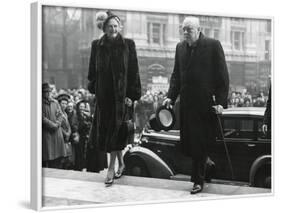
x: 114, y: 79
x: 84, y: 124
x: 53, y: 93
x: 63, y: 100
x: 201, y: 79
x: 73, y: 122
x: 53, y: 147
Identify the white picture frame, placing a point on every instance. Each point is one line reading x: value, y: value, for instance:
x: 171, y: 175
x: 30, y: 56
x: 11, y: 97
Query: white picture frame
x: 36, y: 96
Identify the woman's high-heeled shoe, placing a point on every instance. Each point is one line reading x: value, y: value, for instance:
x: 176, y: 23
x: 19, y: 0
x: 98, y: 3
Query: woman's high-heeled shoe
x: 119, y: 173
x: 109, y: 180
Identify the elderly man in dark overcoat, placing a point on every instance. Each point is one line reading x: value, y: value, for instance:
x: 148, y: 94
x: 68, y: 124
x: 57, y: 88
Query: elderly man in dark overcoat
x: 201, y: 79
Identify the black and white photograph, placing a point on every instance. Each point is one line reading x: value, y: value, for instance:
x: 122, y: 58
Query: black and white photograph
x: 131, y: 105
x: 149, y: 106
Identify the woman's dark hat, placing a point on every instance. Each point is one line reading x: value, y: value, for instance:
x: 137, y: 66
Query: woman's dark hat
x: 110, y: 16
x: 80, y: 102
x: 46, y: 87
x: 163, y: 119
x: 63, y: 96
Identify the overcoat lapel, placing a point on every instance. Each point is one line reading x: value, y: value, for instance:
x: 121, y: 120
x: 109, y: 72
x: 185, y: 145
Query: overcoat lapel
x: 201, y: 48
x: 183, y: 52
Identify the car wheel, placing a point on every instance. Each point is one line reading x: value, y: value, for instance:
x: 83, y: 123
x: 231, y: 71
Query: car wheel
x: 263, y: 177
x: 137, y: 167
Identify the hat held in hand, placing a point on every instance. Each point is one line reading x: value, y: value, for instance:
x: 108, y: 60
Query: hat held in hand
x: 163, y: 119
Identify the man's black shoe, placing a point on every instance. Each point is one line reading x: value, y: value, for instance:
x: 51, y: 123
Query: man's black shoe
x: 196, y: 189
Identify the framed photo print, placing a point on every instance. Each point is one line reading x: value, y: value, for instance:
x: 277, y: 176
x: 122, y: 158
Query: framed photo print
x: 134, y: 106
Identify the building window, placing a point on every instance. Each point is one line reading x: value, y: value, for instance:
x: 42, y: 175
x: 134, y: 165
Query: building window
x: 237, y: 40
x: 216, y: 34
x: 268, y: 26
x: 164, y: 33
x: 148, y: 32
x: 156, y: 33
x: 267, y: 50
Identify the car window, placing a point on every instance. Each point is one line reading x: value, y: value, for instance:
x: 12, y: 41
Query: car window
x: 247, y: 125
x: 238, y: 128
x: 230, y: 127
x: 230, y: 123
x: 246, y: 129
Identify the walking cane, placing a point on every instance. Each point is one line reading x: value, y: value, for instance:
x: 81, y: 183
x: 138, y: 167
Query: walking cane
x: 224, y: 143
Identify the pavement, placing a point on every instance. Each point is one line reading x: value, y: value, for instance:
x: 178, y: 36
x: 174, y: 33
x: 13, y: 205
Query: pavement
x: 73, y: 188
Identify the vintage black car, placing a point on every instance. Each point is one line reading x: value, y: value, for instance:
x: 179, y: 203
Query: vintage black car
x: 157, y: 154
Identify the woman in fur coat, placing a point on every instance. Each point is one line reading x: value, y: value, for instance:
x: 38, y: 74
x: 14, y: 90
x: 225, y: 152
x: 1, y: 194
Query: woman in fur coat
x: 114, y: 79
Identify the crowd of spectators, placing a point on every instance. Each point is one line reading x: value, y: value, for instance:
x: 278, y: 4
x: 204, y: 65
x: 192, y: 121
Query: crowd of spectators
x: 150, y: 101
x: 245, y: 99
x: 80, y: 111
x: 76, y: 95
x: 76, y: 113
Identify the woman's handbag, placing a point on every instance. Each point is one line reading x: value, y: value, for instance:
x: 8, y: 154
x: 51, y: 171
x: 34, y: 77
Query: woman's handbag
x: 127, y: 128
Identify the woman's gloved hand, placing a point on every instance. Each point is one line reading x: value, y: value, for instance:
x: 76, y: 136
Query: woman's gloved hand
x: 128, y: 102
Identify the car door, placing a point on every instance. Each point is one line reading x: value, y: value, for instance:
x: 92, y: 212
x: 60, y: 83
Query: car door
x: 239, y: 135
x: 262, y: 142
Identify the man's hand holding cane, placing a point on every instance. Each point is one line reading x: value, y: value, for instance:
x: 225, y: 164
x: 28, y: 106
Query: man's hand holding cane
x: 218, y: 109
x: 168, y: 103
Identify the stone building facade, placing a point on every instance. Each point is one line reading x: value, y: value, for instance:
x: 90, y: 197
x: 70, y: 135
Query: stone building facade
x: 246, y: 42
